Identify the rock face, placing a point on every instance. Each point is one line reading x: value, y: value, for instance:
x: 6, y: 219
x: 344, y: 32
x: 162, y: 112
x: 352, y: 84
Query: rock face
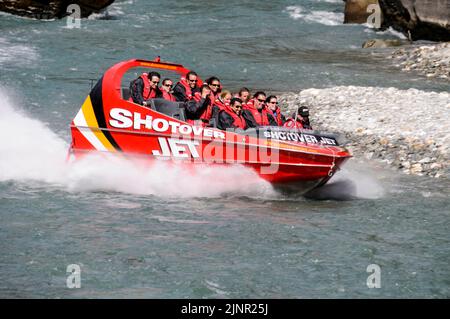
x: 419, y: 20
x: 51, y: 9
x: 356, y: 10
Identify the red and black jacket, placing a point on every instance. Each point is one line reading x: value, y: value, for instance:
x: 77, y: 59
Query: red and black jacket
x: 183, y: 92
x: 167, y: 96
x: 291, y: 123
x: 255, y: 117
x: 228, y: 119
x: 141, y: 90
x: 275, y: 118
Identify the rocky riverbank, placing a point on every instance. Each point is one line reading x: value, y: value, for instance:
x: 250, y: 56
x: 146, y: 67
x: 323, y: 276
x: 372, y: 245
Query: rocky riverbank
x: 429, y: 60
x: 407, y: 129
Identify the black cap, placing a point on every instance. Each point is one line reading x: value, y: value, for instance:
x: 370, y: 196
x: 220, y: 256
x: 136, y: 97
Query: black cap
x: 303, y: 111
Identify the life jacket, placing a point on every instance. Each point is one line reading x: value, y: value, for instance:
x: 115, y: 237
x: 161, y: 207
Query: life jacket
x: 276, y: 115
x: 221, y: 105
x: 167, y: 96
x: 187, y: 88
x: 207, y: 113
x: 239, y: 121
x: 197, y: 97
x: 246, y: 104
x: 203, y: 120
x: 147, y: 92
x: 291, y: 123
x: 260, y: 117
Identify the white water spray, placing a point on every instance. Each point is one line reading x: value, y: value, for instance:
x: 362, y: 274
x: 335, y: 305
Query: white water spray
x: 30, y: 151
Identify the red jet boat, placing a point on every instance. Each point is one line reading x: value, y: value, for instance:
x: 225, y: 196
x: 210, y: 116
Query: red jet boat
x: 109, y: 122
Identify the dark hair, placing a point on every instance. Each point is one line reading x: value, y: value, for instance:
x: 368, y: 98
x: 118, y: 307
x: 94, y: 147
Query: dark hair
x: 244, y: 89
x: 258, y: 93
x: 166, y: 79
x: 203, y: 87
x: 234, y: 100
x: 211, y: 79
x: 190, y: 73
x: 271, y: 97
x: 152, y: 74
x: 303, y: 111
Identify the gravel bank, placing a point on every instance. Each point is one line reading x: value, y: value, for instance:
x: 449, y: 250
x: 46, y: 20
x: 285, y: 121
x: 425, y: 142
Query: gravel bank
x: 431, y: 60
x: 409, y: 129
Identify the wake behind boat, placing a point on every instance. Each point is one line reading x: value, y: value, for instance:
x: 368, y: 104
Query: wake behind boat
x: 109, y: 122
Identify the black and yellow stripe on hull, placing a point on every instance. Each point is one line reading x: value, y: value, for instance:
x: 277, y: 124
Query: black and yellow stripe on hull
x: 92, y: 122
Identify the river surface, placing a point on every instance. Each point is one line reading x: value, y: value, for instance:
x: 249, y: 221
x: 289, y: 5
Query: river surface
x: 219, y: 233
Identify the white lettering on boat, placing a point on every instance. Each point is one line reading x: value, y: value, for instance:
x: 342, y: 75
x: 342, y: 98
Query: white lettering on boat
x: 121, y: 118
x: 299, y: 137
x: 171, y: 147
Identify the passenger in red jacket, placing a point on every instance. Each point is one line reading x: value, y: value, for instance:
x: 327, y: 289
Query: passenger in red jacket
x: 185, y: 89
x: 145, y: 87
x: 244, y: 95
x: 255, y: 112
x: 215, y: 86
x: 199, y: 107
x: 223, y: 99
x: 276, y: 118
x: 221, y: 103
x: 166, y: 90
x: 299, y: 119
x: 231, y: 116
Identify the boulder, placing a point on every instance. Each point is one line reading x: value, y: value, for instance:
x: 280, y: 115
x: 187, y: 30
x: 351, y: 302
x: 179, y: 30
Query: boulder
x: 380, y: 43
x: 51, y: 9
x: 418, y: 20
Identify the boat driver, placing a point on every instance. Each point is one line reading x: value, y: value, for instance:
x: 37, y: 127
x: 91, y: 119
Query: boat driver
x: 301, y: 117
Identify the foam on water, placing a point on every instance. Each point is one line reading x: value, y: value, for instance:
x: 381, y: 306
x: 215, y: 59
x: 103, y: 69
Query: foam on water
x: 13, y: 53
x: 322, y: 17
x: 389, y: 31
x: 366, y: 185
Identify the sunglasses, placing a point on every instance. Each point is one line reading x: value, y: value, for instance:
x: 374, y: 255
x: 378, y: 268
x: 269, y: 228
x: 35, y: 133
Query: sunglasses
x: 168, y: 85
x: 215, y: 85
x: 193, y: 81
x: 238, y: 106
x: 155, y: 82
x: 272, y: 102
x: 262, y: 101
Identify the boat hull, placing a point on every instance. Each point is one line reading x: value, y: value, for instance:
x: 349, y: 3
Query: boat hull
x: 109, y: 123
